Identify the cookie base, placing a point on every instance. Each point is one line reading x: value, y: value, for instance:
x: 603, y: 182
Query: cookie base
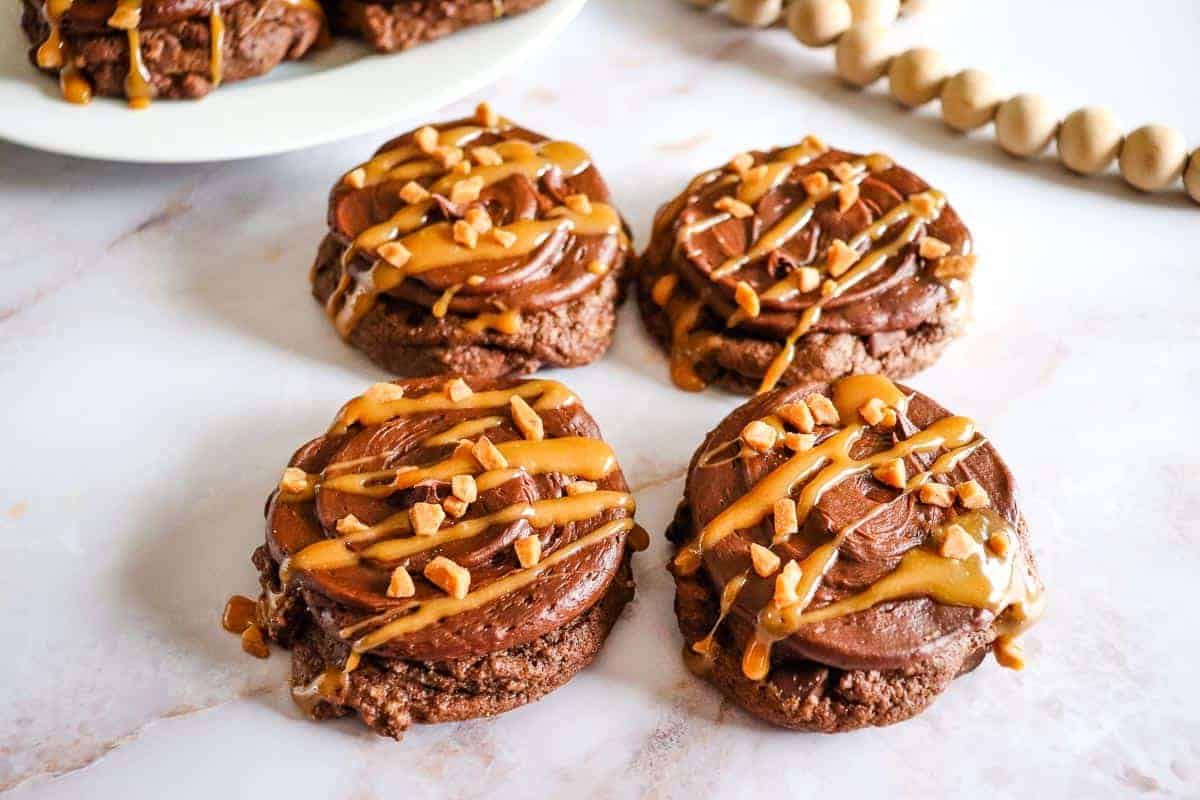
x: 389, y: 27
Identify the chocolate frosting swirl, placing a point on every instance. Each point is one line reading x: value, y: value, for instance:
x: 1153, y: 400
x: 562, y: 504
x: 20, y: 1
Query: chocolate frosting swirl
x: 533, y: 190
x: 896, y: 634
x: 351, y: 467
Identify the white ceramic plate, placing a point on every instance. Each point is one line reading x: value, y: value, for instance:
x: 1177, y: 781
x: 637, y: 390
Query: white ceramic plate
x: 333, y: 94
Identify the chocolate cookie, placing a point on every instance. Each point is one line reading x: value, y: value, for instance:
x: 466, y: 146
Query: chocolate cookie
x: 845, y: 551
x: 804, y: 263
x: 401, y: 24
x: 144, y: 49
x: 473, y: 247
x: 446, y: 550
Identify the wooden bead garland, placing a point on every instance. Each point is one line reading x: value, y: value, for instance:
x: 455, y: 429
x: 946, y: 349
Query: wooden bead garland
x: 1151, y: 158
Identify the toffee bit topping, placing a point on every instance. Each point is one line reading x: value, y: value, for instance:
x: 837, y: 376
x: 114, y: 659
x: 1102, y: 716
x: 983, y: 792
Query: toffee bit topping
x: 466, y: 235
x: 506, y: 239
x: 786, y: 583
x: 664, y: 287
x: 844, y: 171
x: 464, y: 488
x: 294, y: 481
x: 797, y: 415
x: 799, y: 442
x: 449, y: 157
x: 458, y: 390
x: 747, y: 299
x: 829, y: 288
x: 356, y: 178
x: 466, y: 190
x: 735, y: 207
x: 254, y: 643
x: 426, y: 518
x: 487, y: 455
x: 815, y: 183
x: 479, y: 219
x: 529, y: 550
x: 972, y: 495
x: 526, y: 419
x: 462, y: 167
x: 597, y: 267
x: 454, y: 507
x: 741, y: 163
x: 449, y: 577
x: 765, y: 561
x: 486, y: 156
x: 924, y: 204
x: 890, y: 419
x: 757, y: 175
x: 786, y: 522
x: 955, y: 267
x: 839, y: 258
x: 1000, y: 544
x: 485, y: 116
x: 823, y: 410
x: 759, y: 436
x: 847, y: 197
x: 872, y: 411
x: 426, y: 139
x: 579, y: 203
x: 957, y: 543
x: 401, y: 584
x: 808, y: 278
x: 1009, y: 653
x: 936, y: 494
x: 413, y: 192
x: 892, y: 473
x: 394, y: 253
x: 383, y: 392
x: 932, y: 247
x: 580, y: 487
x: 350, y: 524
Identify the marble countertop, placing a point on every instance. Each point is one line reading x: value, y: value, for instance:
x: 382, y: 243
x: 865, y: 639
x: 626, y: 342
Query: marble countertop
x: 161, y: 358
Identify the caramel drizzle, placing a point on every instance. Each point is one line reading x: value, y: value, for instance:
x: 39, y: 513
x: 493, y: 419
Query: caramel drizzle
x: 216, y: 32
x: 507, y: 322
x: 836, y: 287
x: 684, y: 312
x: 433, y: 611
x: 975, y: 582
x: 392, y: 541
x: 55, y: 53
x: 433, y: 246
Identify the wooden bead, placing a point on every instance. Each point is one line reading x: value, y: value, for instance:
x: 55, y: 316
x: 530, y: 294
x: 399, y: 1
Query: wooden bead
x: 755, y: 13
x: 916, y: 76
x: 1153, y: 157
x: 1025, y: 124
x: 876, y: 12
x: 863, y: 54
x: 818, y: 23
x: 1089, y: 140
x: 1191, y: 178
x: 969, y: 100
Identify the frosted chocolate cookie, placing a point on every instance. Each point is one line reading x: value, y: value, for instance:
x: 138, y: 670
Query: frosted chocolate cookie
x: 401, y: 24
x: 845, y: 551
x: 446, y: 550
x: 473, y: 247
x: 804, y: 263
x: 143, y: 49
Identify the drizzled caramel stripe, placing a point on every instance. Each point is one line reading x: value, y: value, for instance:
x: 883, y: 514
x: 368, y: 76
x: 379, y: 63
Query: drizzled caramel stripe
x: 433, y: 611
x: 590, y: 459
x: 827, y: 464
x: 336, y: 553
x: 463, y: 430
x: 361, y: 410
x: 794, y: 222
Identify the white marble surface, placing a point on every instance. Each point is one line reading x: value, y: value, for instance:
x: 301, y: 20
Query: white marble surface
x: 161, y: 357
